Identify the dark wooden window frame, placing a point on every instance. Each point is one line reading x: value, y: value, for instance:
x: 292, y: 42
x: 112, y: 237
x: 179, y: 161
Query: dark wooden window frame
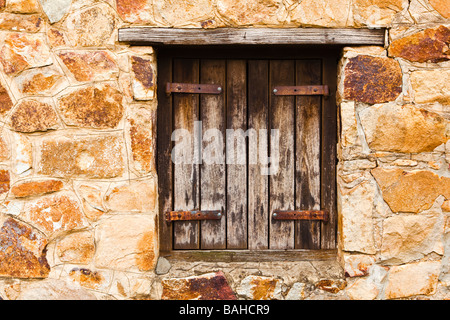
x: 330, y: 55
x: 258, y: 43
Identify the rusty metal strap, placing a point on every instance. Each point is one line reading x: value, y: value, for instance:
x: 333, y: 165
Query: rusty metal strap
x: 173, y: 87
x: 301, y: 215
x: 192, y: 215
x: 301, y: 90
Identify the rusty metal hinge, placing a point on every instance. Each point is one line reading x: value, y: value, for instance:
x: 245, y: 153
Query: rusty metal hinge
x: 301, y: 215
x: 194, y: 215
x: 301, y: 90
x: 173, y: 87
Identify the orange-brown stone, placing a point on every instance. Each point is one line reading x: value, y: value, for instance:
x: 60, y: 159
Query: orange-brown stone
x: 55, y: 213
x: 141, y: 130
x: 34, y: 188
x: 372, y: 79
x: 5, y: 100
x: 38, y: 81
x: 16, y: 22
x: 86, y: 277
x: 32, y: 116
x: 4, y: 181
x: 143, y: 78
x: 413, y: 191
x: 428, y: 45
x: 89, y: 65
x: 206, y: 287
x: 441, y: 6
x: 23, y: 6
x: 90, y: 157
x: 56, y: 37
x: 131, y: 10
x: 22, y: 251
x: 78, y: 247
x: 20, y: 51
x: 92, y: 107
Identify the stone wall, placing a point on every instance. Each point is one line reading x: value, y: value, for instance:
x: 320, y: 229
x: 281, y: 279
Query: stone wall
x: 78, y: 184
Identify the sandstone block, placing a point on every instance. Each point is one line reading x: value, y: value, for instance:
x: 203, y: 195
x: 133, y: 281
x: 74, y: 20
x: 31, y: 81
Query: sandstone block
x: 87, y: 278
x: 245, y: 13
x: 22, y: 6
x: 356, y: 206
x: 5, y: 100
x: 90, y: 157
x: 405, y: 128
x: 322, y: 13
x: 141, y: 133
x: 135, y: 196
x: 372, y: 79
x: 97, y: 107
x: 22, y: 251
x: 32, y: 116
x: 90, y: 65
x: 22, y: 158
x: 431, y: 86
x: 441, y: 6
x: 362, y: 289
x: 4, y: 181
x: 357, y: 265
x: 127, y: 242
x: 184, y: 12
x: 55, y: 9
x: 260, y: 288
x: 16, y: 22
x: 53, y: 289
x: 20, y: 51
x: 428, y: 45
x: 143, y: 78
x: 56, y: 37
x: 54, y: 214
x: 33, y: 188
x: 211, y: 286
x: 76, y: 247
x: 92, y: 200
x: 135, y: 11
x: 412, y: 279
x: 39, y: 81
x: 374, y: 13
x: 91, y: 27
x: 410, y: 237
x: 413, y: 191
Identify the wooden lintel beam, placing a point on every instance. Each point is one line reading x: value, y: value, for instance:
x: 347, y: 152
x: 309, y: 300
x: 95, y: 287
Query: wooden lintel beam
x: 252, y: 36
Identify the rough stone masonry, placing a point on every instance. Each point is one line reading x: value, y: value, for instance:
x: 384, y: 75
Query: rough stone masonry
x: 78, y: 183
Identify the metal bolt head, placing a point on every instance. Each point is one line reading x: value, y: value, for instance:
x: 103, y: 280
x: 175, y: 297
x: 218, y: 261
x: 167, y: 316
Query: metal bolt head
x: 219, y: 89
x: 274, y: 215
x: 275, y: 90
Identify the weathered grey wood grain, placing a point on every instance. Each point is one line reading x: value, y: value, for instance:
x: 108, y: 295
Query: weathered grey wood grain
x: 236, y: 36
x: 258, y: 183
x: 212, y: 169
x: 236, y: 154
x: 186, y: 175
x: 307, y: 169
x: 281, y: 183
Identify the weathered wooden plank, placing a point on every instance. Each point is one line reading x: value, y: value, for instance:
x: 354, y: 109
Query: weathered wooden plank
x: 307, y: 168
x: 258, y: 182
x: 186, y: 174
x: 164, y: 162
x: 236, y: 154
x: 236, y: 36
x: 328, y: 165
x: 281, y: 181
x: 213, y: 180
x: 227, y: 256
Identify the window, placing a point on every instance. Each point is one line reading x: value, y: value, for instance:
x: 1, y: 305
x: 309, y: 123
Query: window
x: 286, y: 161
